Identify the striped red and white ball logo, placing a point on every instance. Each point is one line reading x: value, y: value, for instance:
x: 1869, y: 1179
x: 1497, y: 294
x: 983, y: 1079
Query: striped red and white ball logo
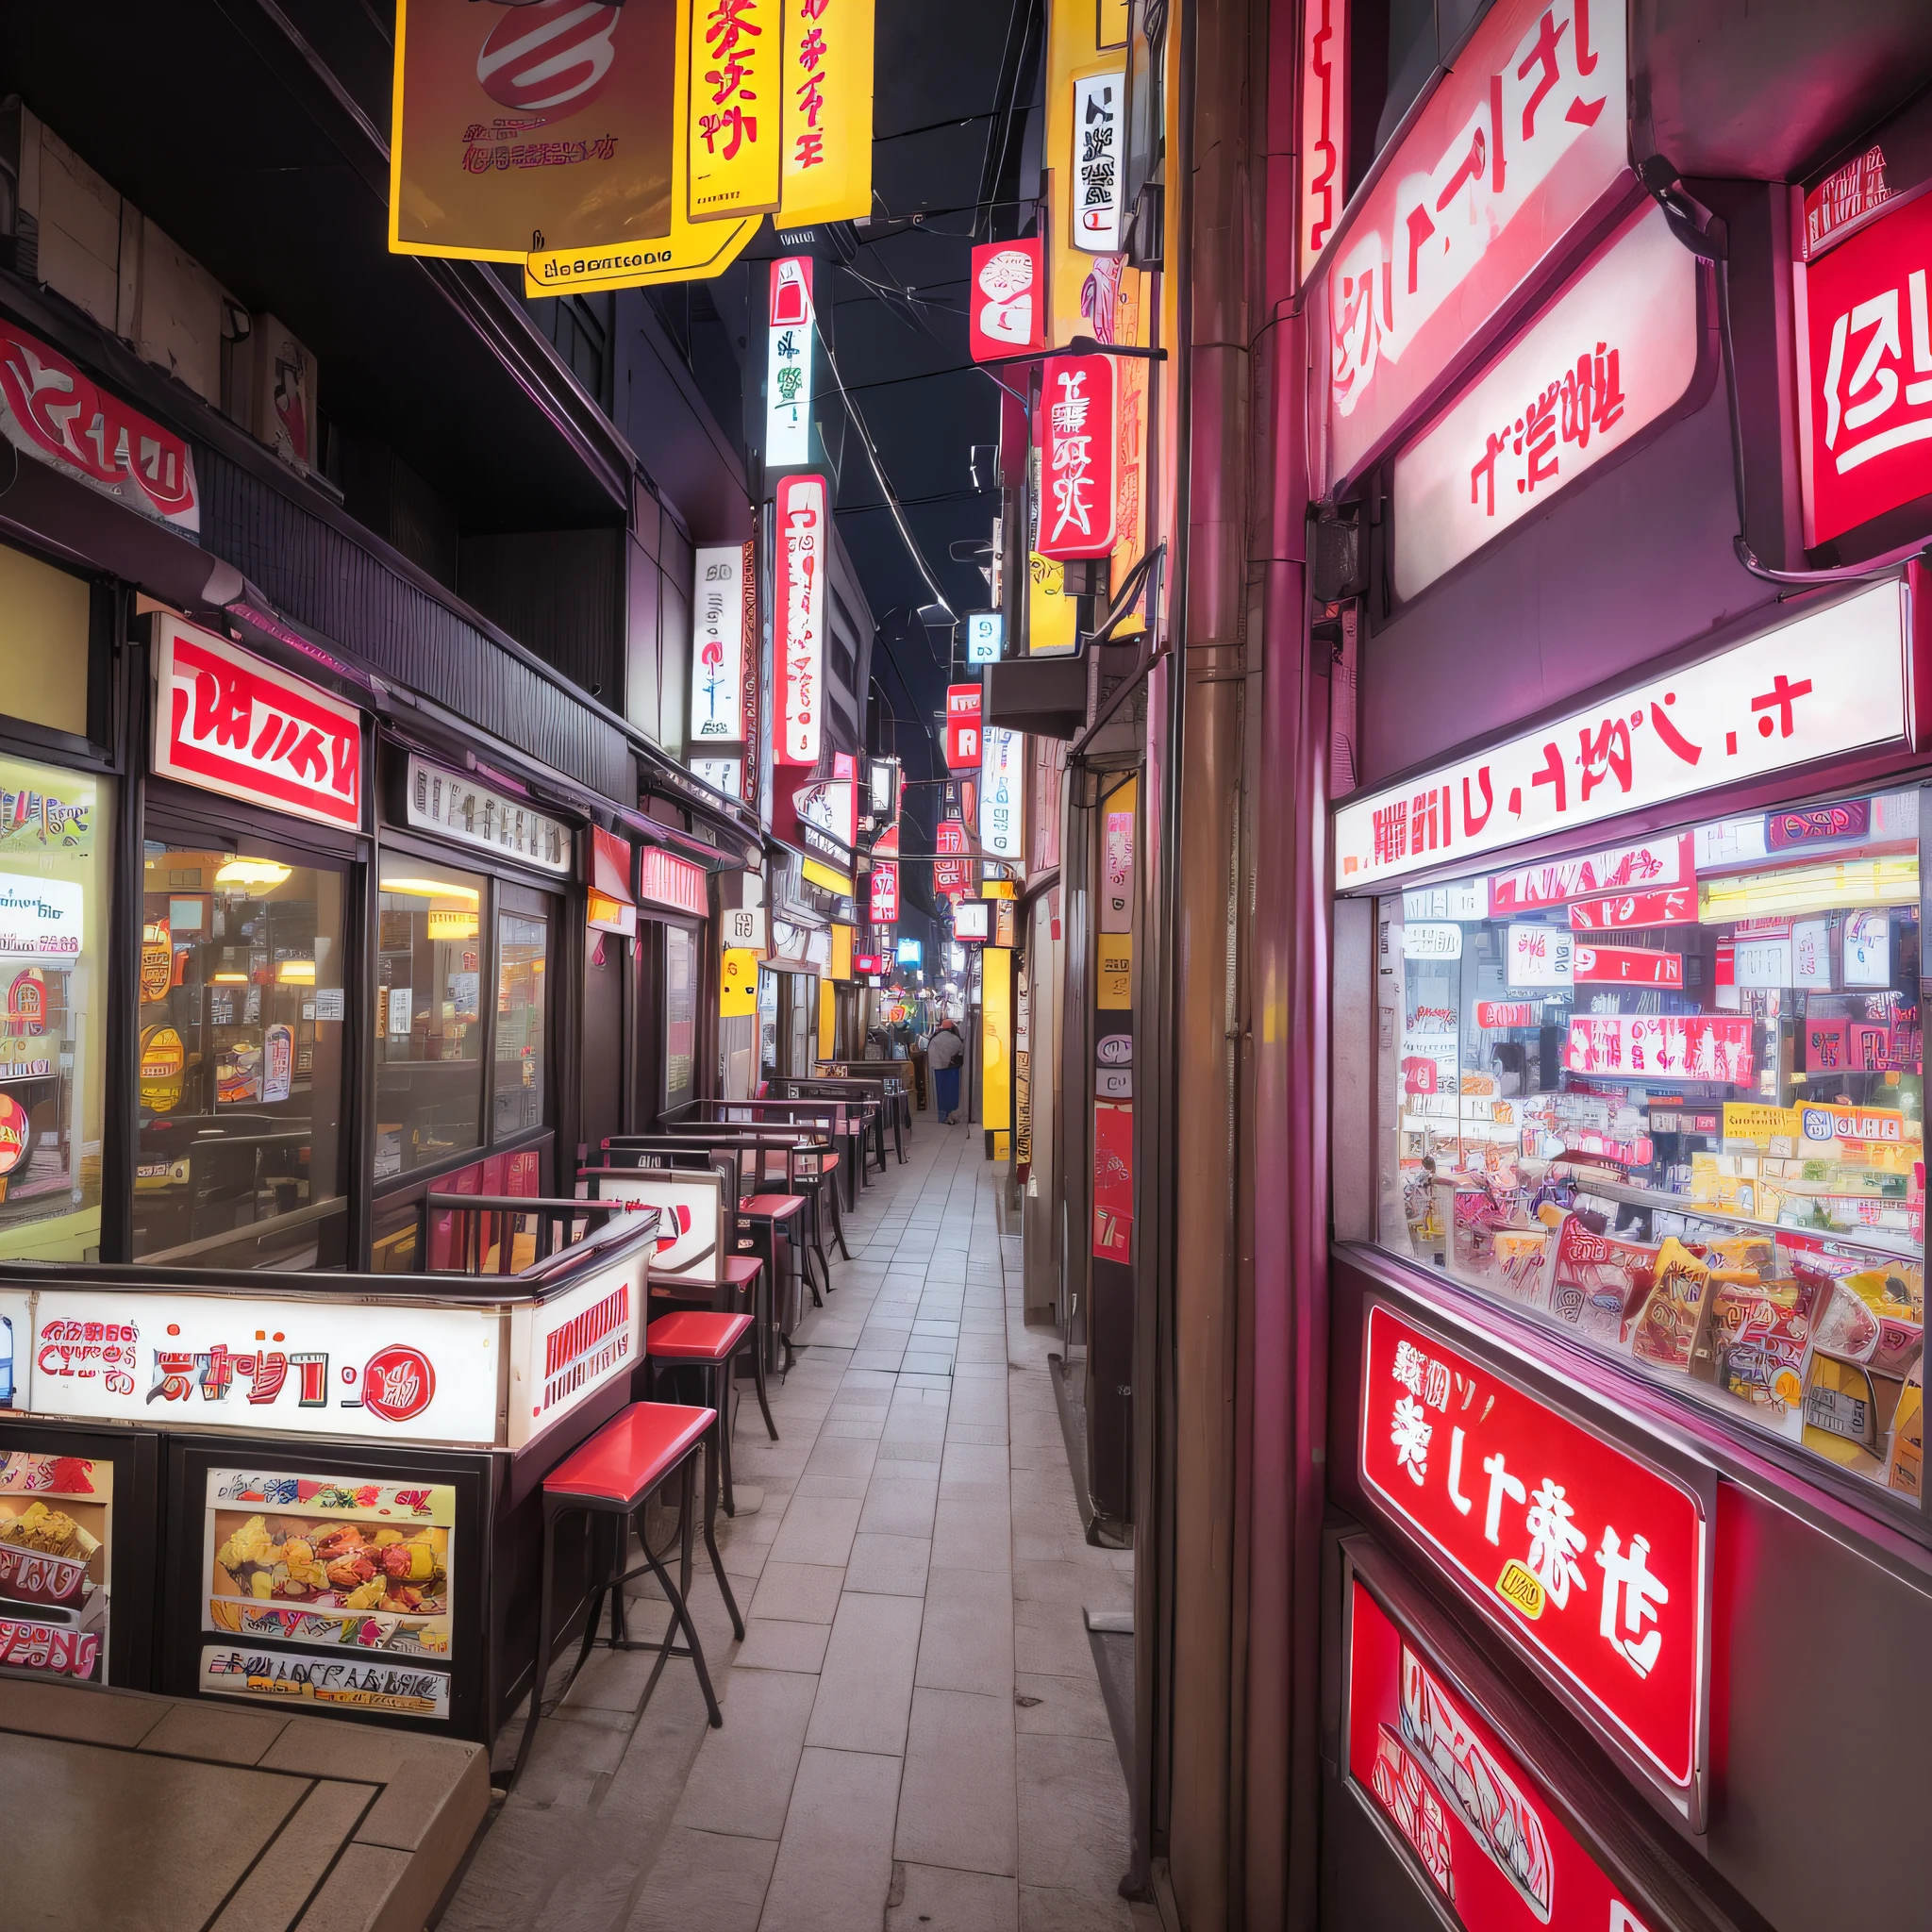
x: 557, y: 54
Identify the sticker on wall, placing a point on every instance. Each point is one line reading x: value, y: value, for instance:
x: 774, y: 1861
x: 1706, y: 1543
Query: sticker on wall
x: 278, y: 1063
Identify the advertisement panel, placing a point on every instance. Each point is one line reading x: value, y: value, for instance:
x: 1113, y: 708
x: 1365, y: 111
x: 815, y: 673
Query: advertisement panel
x: 1005, y: 312
x: 1590, y: 1558
x: 1079, y: 512
x: 718, y: 644
x: 456, y: 808
x: 577, y: 1343
x: 732, y: 134
x: 799, y: 618
x: 1002, y: 792
x: 828, y: 86
x: 789, y: 364
x: 962, y: 727
x: 56, y: 1552
x: 1099, y: 119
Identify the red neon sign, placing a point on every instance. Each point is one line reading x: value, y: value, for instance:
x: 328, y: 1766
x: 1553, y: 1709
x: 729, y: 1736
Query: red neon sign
x: 798, y: 617
x: 1079, y: 448
x: 1474, y: 1819
x: 1006, y: 310
x: 962, y: 727
x: 952, y: 875
x: 1590, y: 1558
x: 1630, y: 912
x: 884, y: 894
x: 1627, y: 966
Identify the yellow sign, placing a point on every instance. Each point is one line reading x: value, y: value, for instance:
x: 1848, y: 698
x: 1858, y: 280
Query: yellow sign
x: 995, y: 1038
x: 1521, y: 1589
x: 998, y: 889
x: 829, y: 876
x: 735, y: 108
x: 1749, y: 1120
x: 737, y: 989
x: 164, y: 1066
x: 841, y: 952
x: 829, y: 1018
x: 1073, y: 52
x: 828, y: 67
x: 1113, y: 23
x: 1114, y: 970
x: 157, y: 963
x: 688, y: 251
x: 516, y: 128
x: 1130, y: 326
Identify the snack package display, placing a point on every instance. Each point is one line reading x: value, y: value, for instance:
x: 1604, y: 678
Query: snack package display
x: 1756, y: 1342
x: 1905, y: 1471
x: 56, y: 1526
x: 1597, y: 1282
x: 329, y: 1559
x: 1846, y: 1412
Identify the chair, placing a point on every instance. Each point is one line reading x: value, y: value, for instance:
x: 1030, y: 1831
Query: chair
x: 640, y: 1448
x: 711, y: 1343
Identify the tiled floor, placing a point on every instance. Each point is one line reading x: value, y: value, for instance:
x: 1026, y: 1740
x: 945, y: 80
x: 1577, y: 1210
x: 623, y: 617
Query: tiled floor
x: 913, y: 1732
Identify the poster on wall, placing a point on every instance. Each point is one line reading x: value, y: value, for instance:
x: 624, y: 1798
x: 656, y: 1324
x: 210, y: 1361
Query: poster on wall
x: 57, y: 1549
x: 718, y: 644
x: 798, y: 617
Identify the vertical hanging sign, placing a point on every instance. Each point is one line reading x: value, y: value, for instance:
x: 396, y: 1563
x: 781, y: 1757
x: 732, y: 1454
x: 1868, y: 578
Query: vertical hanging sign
x: 1079, y: 508
x: 717, y: 671
x: 883, y: 892
x: 1323, y: 125
x: 1005, y: 309
x: 788, y: 370
x: 1098, y: 99
x: 798, y: 617
x: 828, y: 69
x: 734, y: 110
x: 1002, y: 792
x: 962, y: 726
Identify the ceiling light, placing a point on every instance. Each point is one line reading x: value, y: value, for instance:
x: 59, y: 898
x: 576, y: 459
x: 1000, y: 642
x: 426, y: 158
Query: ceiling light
x: 1828, y: 887
x: 433, y: 889
x: 230, y: 979
x: 253, y: 871
x: 296, y: 972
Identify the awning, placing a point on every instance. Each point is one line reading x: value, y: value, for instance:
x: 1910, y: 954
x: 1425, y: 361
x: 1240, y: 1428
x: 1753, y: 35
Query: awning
x: 613, y: 907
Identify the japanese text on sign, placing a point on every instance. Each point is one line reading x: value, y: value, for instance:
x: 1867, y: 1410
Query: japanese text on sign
x: 226, y: 721
x: 1820, y: 685
x: 828, y: 81
x: 962, y: 727
x: 1517, y: 145
x: 799, y: 620
x: 717, y: 674
x: 1323, y: 118
x: 735, y: 110
x: 1098, y: 102
x: 1592, y: 1559
x: 1080, y: 508
x: 787, y: 375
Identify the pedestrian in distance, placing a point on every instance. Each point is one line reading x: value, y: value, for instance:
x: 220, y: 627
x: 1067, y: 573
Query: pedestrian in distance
x: 944, y: 1052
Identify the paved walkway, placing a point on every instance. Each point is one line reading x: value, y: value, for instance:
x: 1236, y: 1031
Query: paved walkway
x: 913, y: 1733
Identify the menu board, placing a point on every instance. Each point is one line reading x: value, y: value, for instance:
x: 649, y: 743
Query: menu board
x: 57, y: 1526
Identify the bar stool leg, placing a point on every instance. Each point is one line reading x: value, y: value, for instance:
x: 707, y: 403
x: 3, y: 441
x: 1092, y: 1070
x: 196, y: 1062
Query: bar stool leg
x: 541, y: 1668
x: 711, y: 1544
x: 758, y: 1372
x: 838, y: 1220
x: 680, y: 1617
x: 720, y: 1375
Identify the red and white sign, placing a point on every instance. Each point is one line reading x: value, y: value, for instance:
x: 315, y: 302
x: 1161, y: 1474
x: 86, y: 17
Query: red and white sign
x: 1537, y: 956
x: 1841, y: 200
x: 1519, y: 143
x: 1630, y: 912
x: 52, y: 413
x: 52, y: 1649
x: 666, y: 880
x: 1324, y: 121
x: 402, y: 1374
x: 1865, y: 373
x: 952, y: 875
x: 1615, y: 351
x: 565, y: 1349
x: 799, y: 618
x: 962, y: 727
x: 229, y: 723
x: 884, y: 902
x: 868, y: 963
x: 1494, y: 1015
x: 1006, y: 313
x: 972, y: 921
x: 1592, y: 1558
x: 1486, y: 1835
x: 1682, y: 1046
x: 722, y: 619
x: 1627, y: 966
x: 1669, y: 860
x: 1824, y: 683
x: 1079, y: 450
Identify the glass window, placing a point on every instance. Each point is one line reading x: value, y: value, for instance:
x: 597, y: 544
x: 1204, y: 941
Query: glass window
x: 768, y: 1025
x: 240, y: 1076
x: 1669, y: 1096
x: 523, y: 943
x: 55, y: 869
x: 429, y: 1014
x: 680, y: 1014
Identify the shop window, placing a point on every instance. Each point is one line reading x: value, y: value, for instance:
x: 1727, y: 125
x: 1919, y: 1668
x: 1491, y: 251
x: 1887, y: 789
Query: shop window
x: 769, y: 1068
x: 240, y: 1075
x: 680, y: 1015
x: 522, y: 942
x: 429, y: 1014
x: 56, y: 853
x: 1669, y: 1097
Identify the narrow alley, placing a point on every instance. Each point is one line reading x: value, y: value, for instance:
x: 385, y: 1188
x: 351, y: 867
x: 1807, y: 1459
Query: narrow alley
x: 914, y: 1733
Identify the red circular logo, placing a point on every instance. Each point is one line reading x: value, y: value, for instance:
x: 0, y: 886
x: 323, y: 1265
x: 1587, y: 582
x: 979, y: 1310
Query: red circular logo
x: 557, y: 54
x: 398, y: 1383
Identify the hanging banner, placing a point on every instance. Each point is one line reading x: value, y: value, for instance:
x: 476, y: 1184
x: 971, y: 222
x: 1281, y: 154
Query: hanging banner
x: 517, y: 129
x: 1002, y: 792
x: 1099, y: 116
x: 962, y: 727
x: 1005, y: 311
x: 738, y: 983
x: 1079, y: 443
x: 798, y: 617
x: 789, y: 366
x: 1325, y: 120
x: 952, y: 876
x: 686, y: 250
x: 718, y: 641
x: 884, y: 902
x: 829, y: 82
x: 735, y: 110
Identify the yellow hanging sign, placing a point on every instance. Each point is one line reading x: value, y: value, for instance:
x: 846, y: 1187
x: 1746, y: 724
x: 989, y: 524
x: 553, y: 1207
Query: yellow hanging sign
x: 829, y: 79
x: 738, y: 987
x: 1114, y: 972
x: 733, y: 111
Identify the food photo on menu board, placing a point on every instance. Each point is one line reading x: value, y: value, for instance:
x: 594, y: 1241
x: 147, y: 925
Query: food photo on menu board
x: 55, y: 1533
x: 320, y: 1560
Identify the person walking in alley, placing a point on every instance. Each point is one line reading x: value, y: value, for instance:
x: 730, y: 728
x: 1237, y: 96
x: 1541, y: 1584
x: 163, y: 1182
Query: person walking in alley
x: 943, y: 1053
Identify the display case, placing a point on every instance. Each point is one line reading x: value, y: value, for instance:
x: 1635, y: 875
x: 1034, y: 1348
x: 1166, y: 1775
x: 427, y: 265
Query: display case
x: 1666, y: 1095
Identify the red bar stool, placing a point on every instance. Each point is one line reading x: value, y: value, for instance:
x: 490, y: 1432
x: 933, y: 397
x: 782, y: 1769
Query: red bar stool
x: 638, y: 1450
x: 711, y: 1342
x: 777, y: 1217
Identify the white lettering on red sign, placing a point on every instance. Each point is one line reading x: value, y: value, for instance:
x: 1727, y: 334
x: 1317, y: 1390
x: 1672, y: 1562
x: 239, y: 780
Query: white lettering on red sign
x: 1517, y: 144
x: 1590, y: 1558
x: 1624, y: 911
x: 962, y: 727
x: 1821, y: 684
x: 227, y: 721
x: 1649, y: 862
x: 884, y: 904
x: 1865, y: 373
x: 1684, y: 1046
x: 50, y: 410
x: 1325, y: 120
x: 1080, y: 444
x: 799, y: 620
x: 1844, y: 197
x: 1627, y: 966
x: 1007, y: 311
x: 1612, y: 354
x: 952, y: 875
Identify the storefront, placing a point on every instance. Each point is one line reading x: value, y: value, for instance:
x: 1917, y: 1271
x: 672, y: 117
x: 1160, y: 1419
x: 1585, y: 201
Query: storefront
x: 675, y: 964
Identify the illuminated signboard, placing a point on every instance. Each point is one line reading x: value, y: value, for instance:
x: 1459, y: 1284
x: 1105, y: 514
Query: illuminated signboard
x: 1002, y: 792
x: 962, y: 726
x: 718, y: 635
x: 1005, y: 312
x: 972, y: 921
x: 788, y: 369
x: 1824, y: 682
x: 1325, y: 120
x: 911, y: 952
x: 884, y: 902
x: 985, y: 636
x: 1590, y: 1557
x: 1079, y: 446
x: 799, y: 618
x: 1099, y: 104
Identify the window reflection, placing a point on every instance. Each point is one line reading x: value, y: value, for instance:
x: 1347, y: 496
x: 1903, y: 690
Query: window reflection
x: 522, y: 942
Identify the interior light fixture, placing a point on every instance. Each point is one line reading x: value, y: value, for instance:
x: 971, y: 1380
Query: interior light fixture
x: 1828, y: 887
x: 263, y: 872
x: 296, y: 972
x: 229, y: 979
x: 433, y: 889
